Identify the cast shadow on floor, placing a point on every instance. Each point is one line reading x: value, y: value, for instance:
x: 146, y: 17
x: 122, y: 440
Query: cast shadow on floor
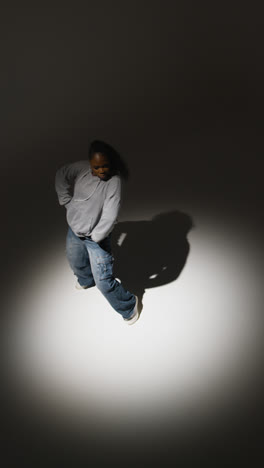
x: 151, y: 253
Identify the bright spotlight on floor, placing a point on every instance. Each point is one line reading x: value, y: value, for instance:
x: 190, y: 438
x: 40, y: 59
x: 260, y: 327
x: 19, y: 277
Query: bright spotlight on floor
x: 191, y: 350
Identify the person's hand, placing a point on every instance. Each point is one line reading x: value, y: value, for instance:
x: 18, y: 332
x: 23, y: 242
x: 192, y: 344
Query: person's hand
x: 65, y: 204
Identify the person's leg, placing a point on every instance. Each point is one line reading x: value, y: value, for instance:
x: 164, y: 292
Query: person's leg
x: 78, y: 259
x: 102, y: 268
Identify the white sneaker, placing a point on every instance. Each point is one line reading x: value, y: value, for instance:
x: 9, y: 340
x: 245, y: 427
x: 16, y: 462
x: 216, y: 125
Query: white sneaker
x: 135, y: 316
x: 78, y: 286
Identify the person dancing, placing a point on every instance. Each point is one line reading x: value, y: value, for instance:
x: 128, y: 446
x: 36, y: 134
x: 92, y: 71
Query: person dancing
x: 90, y: 190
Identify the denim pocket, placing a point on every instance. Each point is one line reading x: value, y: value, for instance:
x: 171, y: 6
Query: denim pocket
x: 105, y: 267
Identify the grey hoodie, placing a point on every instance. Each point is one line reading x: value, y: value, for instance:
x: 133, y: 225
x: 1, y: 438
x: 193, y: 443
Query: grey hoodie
x: 92, y: 204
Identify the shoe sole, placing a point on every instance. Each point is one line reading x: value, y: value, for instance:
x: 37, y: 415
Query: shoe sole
x: 79, y: 287
x: 134, y: 319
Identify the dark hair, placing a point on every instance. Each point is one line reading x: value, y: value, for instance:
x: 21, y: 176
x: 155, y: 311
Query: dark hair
x: 117, y: 163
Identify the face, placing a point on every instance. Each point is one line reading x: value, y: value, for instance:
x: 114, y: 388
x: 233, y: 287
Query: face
x: 100, y: 166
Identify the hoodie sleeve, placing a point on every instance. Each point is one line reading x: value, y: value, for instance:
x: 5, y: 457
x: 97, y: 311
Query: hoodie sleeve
x: 109, y: 213
x: 64, y: 181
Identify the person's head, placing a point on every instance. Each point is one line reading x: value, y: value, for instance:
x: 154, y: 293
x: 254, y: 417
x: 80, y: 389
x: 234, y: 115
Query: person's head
x: 101, y: 166
x: 105, y: 161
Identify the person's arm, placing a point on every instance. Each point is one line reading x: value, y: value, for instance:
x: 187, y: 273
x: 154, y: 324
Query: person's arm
x: 109, y: 213
x: 64, y: 181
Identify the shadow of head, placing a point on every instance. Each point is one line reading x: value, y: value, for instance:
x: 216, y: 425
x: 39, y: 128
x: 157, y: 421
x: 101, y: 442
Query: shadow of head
x: 151, y: 253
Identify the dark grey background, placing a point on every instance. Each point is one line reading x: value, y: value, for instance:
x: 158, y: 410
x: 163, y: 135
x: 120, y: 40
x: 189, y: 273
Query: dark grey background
x: 177, y: 88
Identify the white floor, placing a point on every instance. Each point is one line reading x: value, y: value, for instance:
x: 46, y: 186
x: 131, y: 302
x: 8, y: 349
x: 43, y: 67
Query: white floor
x: 192, y: 352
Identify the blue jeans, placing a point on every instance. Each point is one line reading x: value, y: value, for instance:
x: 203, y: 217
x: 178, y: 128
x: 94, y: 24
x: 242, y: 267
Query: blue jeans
x: 92, y: 263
